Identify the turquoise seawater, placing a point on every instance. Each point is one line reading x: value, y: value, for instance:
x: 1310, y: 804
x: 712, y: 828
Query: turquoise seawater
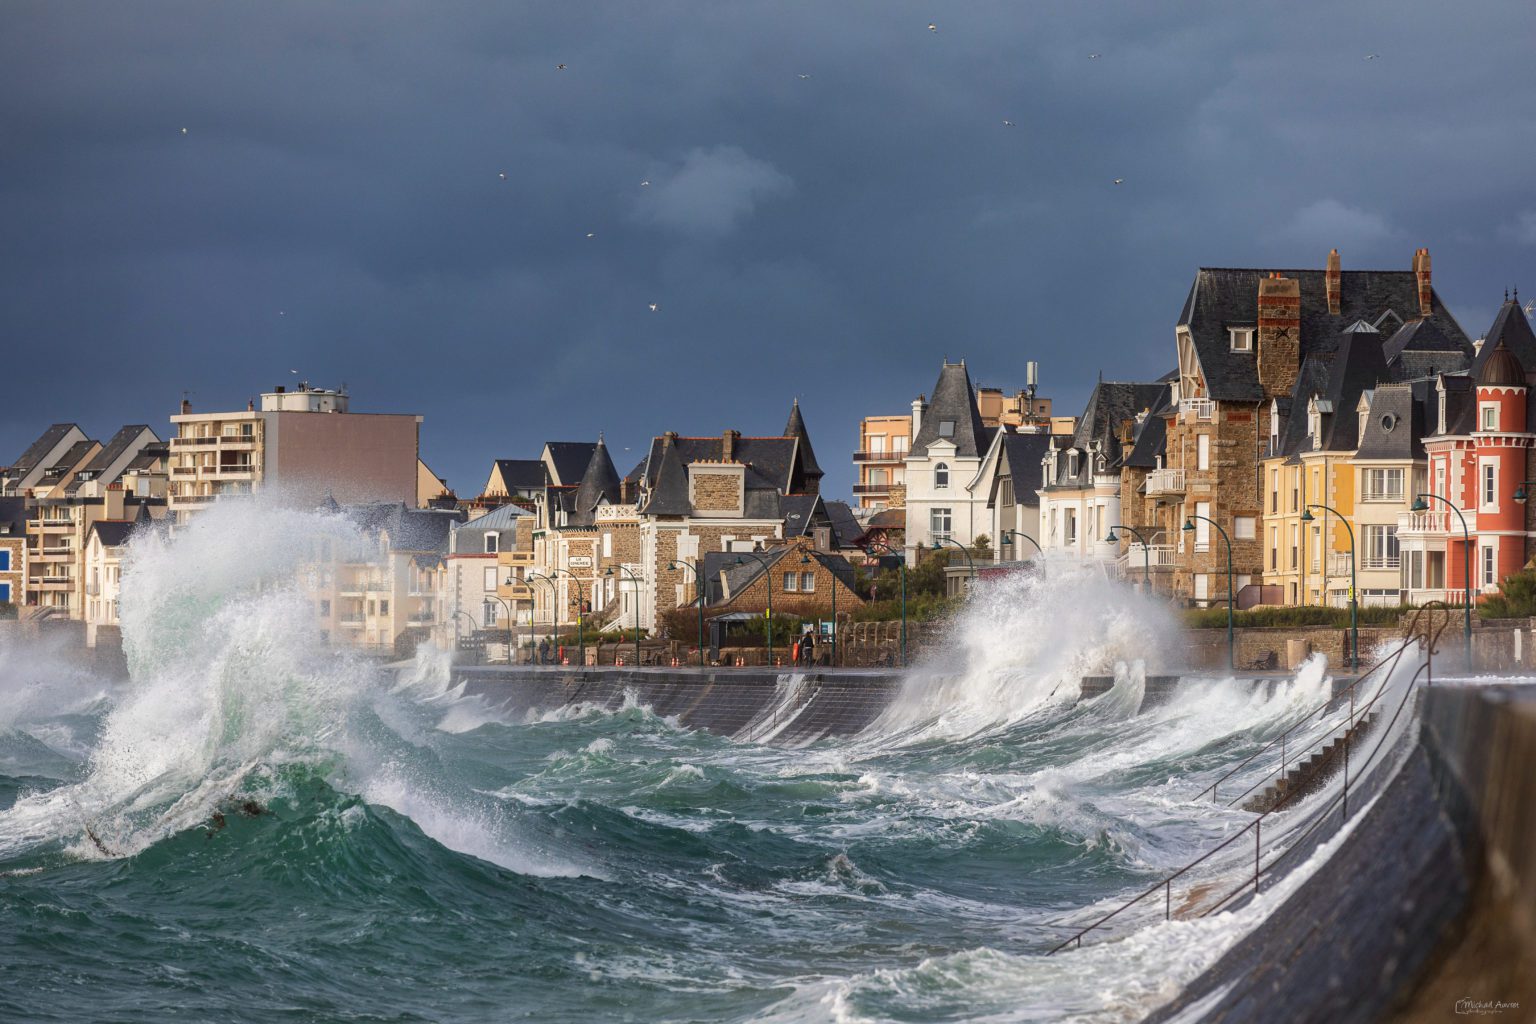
x: 256, y: 828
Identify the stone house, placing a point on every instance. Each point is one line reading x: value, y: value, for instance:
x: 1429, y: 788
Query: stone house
x: 13, y: 550
x: 475, y: 573
x: 1242, y: 340
x: 800, y: 577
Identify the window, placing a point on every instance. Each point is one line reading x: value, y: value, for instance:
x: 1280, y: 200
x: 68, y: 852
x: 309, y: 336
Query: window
x: 941, y: 476
x: 492, y: 543
x: 1243, y: 527
x: 791, y: 582
x: 1274, y: 547
x: 898, y: 444
x: 1202, y: 586
x: 807, y: 583
x: 488, y: 614
x: 1380, y: 544
x: 946, y: 428
x: 1274, y: 490
x: 1202, y: 528
x: 939, y: 524
x: 607, y: 545
x: 1383, y: 484
x: 383, y: 607
x: 5, y: 593
x: 877, y: 444
x: 1295, y: 545
x: 1488, y: 416
x: 1241, y: 338
x: 325, y: 609
x: 490, y: 581
x: 5, y: 560
x: 1071, y: 525
x: 1203, y: 451
x: 1072, y: 462
x: 1490, y: 572
x: 1488, y: 472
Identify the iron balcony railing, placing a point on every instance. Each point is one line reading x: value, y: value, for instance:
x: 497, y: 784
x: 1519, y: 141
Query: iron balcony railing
x: 1197, y: 408
x: 1165, y: 481
x: 879, y: 456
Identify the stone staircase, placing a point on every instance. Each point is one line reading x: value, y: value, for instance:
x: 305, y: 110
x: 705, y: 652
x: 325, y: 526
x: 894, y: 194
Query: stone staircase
x: 1308, y: 776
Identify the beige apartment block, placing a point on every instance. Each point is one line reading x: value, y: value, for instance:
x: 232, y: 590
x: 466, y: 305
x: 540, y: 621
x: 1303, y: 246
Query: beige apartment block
x: 299, y: 445
x: 880, y: 458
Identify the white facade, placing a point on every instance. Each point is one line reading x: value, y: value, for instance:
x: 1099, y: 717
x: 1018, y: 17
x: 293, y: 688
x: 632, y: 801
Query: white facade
x: 946, y: 498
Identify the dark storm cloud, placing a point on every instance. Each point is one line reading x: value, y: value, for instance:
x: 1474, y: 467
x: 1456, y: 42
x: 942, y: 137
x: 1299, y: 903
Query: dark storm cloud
x: 337, y: 202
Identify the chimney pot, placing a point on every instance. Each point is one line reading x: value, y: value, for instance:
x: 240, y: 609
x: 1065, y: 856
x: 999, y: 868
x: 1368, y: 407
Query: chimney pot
x: 186, y: 407
x: 1334, y: 282
x: 1421, y: 275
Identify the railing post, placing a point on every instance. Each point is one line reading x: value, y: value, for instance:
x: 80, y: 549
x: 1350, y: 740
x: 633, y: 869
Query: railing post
x: 1168, y: 901
x: 1258, y: 827
x: 1349, y: 739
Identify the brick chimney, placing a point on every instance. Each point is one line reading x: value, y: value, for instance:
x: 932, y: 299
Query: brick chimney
x: 1334, y: 282
x: 728, y: 445
x: 1279, y: 355
x: 1421, y: 275
x: 114, y: 502
x: 186, y: 407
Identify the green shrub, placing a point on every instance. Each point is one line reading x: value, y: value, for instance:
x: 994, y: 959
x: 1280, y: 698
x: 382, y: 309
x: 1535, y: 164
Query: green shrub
x: 1516, y: 598
x: 1303, y: 615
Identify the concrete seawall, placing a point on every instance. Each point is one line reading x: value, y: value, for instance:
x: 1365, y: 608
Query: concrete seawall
x: 1430, y: 901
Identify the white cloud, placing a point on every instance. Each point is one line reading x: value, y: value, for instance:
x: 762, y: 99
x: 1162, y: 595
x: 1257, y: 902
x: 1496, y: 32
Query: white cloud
x: 1329, y: 223
x: 711, y: 193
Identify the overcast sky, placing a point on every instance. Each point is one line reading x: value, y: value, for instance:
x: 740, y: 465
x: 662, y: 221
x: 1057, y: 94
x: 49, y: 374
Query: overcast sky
x: 204, y: 196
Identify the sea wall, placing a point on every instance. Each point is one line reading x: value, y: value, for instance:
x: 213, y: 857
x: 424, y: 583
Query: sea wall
x: 1428, y: 902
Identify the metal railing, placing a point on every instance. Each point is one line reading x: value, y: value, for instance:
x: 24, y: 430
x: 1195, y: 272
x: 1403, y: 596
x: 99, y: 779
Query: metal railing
x: 873, y: 456
x: 1198, y: 408
x: 1431, y: 637
x: 1165, y: 481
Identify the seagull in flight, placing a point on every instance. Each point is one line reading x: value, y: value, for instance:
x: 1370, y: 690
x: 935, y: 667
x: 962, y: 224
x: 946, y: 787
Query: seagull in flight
x: 559, y: 67
x: 804, y: 77
x: 1372, y: 56
x: 1094, y: 56
x: 1119, y: 181
x: 1007, y: 123
x: 502, y: 175
x: 183, y: 131
x: 646, y: 182
x: 591, y: 234
x: 653, y: 307
x: 932, y: 27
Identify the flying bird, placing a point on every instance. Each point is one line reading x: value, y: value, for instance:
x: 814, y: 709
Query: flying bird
x: 653, y: 307
x: 932, y: 27
x: 804, y: 77
x: 646, y: 182
x: 183, y: 131
x: 1119, y: 181
x: 559, y: 67
x: 502, y: 175
x: 1094, y: 56
x: 591, y: 234
x: 1007, y: 123
x: 1372, y: 56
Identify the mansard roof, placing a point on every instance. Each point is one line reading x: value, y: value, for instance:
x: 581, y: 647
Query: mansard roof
x: 1223, y: 297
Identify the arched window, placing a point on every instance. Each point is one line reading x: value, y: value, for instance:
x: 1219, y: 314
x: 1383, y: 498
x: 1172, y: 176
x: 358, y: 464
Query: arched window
x: 941, y: 475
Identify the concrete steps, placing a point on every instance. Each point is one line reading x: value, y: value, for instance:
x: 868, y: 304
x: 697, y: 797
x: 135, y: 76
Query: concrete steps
x: 1309, y: 775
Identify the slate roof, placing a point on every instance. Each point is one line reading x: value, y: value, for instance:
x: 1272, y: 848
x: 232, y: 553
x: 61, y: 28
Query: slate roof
x: 571, y: 459
x: 1358, y: 364
x: 13, y: 511
x: 889, y: 519
x: 1223, y: 297
x: 67, y: 461
x: 522, y: 474
x: 599, y: 483
x: 1501, y: 369
x: 1396, y: 423
x: 1460, y: 405
x: 1512, y: 330
x: 739, y: 577
x: 149, y: 455
x: 846, y: 531
x: 110, y: 453
x: 39, y: 449
x: 796, y: 428
x: 409, y: 529
x: 954, y: 401
x: 1311, y: 379
x: 1025, y: 454
x: 800, y: 513
x: 1110, y: 405
x: 668, y: 487
x: 472, y: 532
x: 113, y: 532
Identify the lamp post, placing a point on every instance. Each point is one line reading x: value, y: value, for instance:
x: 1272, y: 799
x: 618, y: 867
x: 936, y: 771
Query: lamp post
x: 1466, y: 553
x: 902, y: 567
x: 513, y: 581
x: 806, y: 560
x: 469, y: 618
x: 698, y: 585
x: 501, y: 601
x: 554, y: 599
x: 768, y: 575
x: 1354, y: 595
x: 1189, y: 527
x: 636, y: 580
x: 1039, y: 550
x: 938, y: 545
x: 581, y: 600
x: 1146, y: 551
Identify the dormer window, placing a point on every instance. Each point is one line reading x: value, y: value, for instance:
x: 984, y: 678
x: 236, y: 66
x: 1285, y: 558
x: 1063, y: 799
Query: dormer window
x: 1072, y: 463
x: 492, y: 543
x: 941, y: 475
x: 946, y: 428
x: 1241, y: 338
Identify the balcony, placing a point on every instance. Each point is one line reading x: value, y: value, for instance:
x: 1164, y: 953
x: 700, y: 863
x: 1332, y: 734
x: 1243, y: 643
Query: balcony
x: 57, y: 550
x: 1436, y: 523
x: 1197, y: 409
x: 871, y: 488
x: 192, y: 442
x: 879, y: 456
x: 1371, y: 494
x: 1165, y: 481
x: 234, y: 471
x: 1156, y: 556
x: 183, y: 470
x: 1378, y: 562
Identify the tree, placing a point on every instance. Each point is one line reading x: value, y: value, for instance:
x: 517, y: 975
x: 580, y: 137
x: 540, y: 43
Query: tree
x: 1516, y: 598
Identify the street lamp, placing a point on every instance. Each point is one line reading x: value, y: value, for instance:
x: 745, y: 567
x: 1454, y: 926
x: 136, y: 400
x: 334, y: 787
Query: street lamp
x: 698, y: 585
x: 768, y: 574
x: 1038, y: 548
x: 806, y: 560
x: 469, y: 618
x: 554, y: 599
x: 1354, y: 595
x: 938, y: 545
x: 902, y: 567
x: 1466, y: 553
x: 513, y: 581
x: 581, y: 600
x: 502, y: 601
x: 1146, y: 551
x: 1189, y: 527
x: 636, y: 580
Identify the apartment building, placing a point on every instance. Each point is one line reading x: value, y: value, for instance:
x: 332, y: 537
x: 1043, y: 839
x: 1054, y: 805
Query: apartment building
x: 298, y: 445
x: 879, y: 460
